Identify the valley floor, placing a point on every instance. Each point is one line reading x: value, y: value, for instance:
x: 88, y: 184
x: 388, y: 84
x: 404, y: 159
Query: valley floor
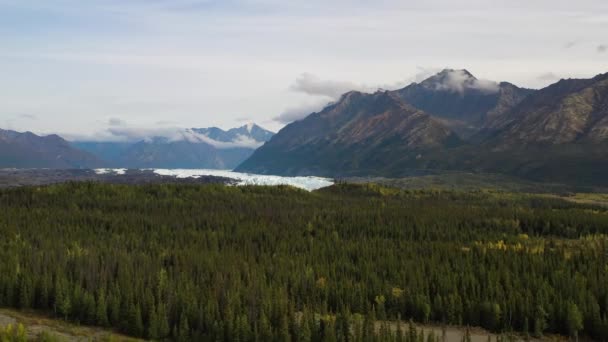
x: 37, y: 325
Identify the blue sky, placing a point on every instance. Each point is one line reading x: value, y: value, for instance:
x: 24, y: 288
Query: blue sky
x: 70, y: 66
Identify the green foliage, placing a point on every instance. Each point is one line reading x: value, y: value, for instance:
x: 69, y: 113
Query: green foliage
x: 220, y: 263
x: 574, y: 320
x: 45, y: 336
x: 12, y: 333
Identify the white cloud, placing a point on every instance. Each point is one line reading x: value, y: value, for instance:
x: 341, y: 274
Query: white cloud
x: 301, y: 111
x: 28, y: 116
x: 241, y: 141
x: 423, y: 73
x: 602, y: 48
x: 322, y: 92
x: 548, y: 76
x: 459, y: 81
x: 312, y: 85
x: 116, y: 122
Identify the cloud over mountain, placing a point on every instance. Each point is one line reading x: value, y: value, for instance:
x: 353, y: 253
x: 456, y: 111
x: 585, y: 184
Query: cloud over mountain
x: 302, y: 110
x: 320, y: 90
x: 313, y: 85
x: 459, y: 81
x: 120, y: 131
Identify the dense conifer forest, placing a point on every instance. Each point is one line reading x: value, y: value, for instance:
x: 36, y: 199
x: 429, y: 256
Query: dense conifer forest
x: 220, y: 263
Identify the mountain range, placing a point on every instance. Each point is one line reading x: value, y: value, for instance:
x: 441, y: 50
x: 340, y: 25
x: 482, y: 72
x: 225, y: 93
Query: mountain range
x: 211, y: 148
x: 451, y: 121
x: 192, y: 148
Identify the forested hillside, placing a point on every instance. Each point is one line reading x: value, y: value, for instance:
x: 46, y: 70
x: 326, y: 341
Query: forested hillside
x: 219, y: 263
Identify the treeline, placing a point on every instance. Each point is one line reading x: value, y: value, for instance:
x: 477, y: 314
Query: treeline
x: 216, y: 263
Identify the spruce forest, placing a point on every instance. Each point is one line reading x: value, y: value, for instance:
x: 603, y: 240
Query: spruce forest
x: 344, y: 263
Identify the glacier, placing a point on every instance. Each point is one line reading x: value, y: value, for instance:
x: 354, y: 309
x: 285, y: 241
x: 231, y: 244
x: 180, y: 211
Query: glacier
x: 106, y: 171
x: 309, y: 183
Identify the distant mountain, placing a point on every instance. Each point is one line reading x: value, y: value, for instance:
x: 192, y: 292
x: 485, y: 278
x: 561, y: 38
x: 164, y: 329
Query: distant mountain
x: 463, y: 102
x: 28, y: 150
x: 558, y: 134
x: 211, y: 148
x: 358, y: 134
x: 106, y: 151
x: 251, y: 131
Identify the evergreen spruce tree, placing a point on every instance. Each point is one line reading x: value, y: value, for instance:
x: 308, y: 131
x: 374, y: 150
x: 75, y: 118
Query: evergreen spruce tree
x: 114, y: 309
x: 135, y: 325
x: 183, y: 333
x: 574, y: 320
x: 163, y: 322
x: 328, y: 331
x: 265, y: 330
x: 284, y: 335
x: 153, y: 328
x: 101, y: 315
x: 540, y: 321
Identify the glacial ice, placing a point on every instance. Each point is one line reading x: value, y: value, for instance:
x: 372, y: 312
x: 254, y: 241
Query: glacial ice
x: 105, y: 171
x: 307, y: 183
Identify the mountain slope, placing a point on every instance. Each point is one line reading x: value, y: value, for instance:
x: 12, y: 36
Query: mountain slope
x: 463, y: 102
x: 358, y: 134
x: 557, y: 134
x: 28, y: 150
x: 569, y: 111
x: 162, y: 153
x: 106, y: 151
x: 209, y: 148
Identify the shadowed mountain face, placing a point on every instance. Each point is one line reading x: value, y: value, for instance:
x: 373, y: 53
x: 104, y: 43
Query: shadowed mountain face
x: 197, y: 148
x: 360, y: 133
x: 463, y: 102
x: 569, y: 111
x: 28, y: 150
x: 162, y: 153
x: 559, y: 133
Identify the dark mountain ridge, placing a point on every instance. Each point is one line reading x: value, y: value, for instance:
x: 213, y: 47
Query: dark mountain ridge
x: 28, y: 150
x: 360, y: 132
